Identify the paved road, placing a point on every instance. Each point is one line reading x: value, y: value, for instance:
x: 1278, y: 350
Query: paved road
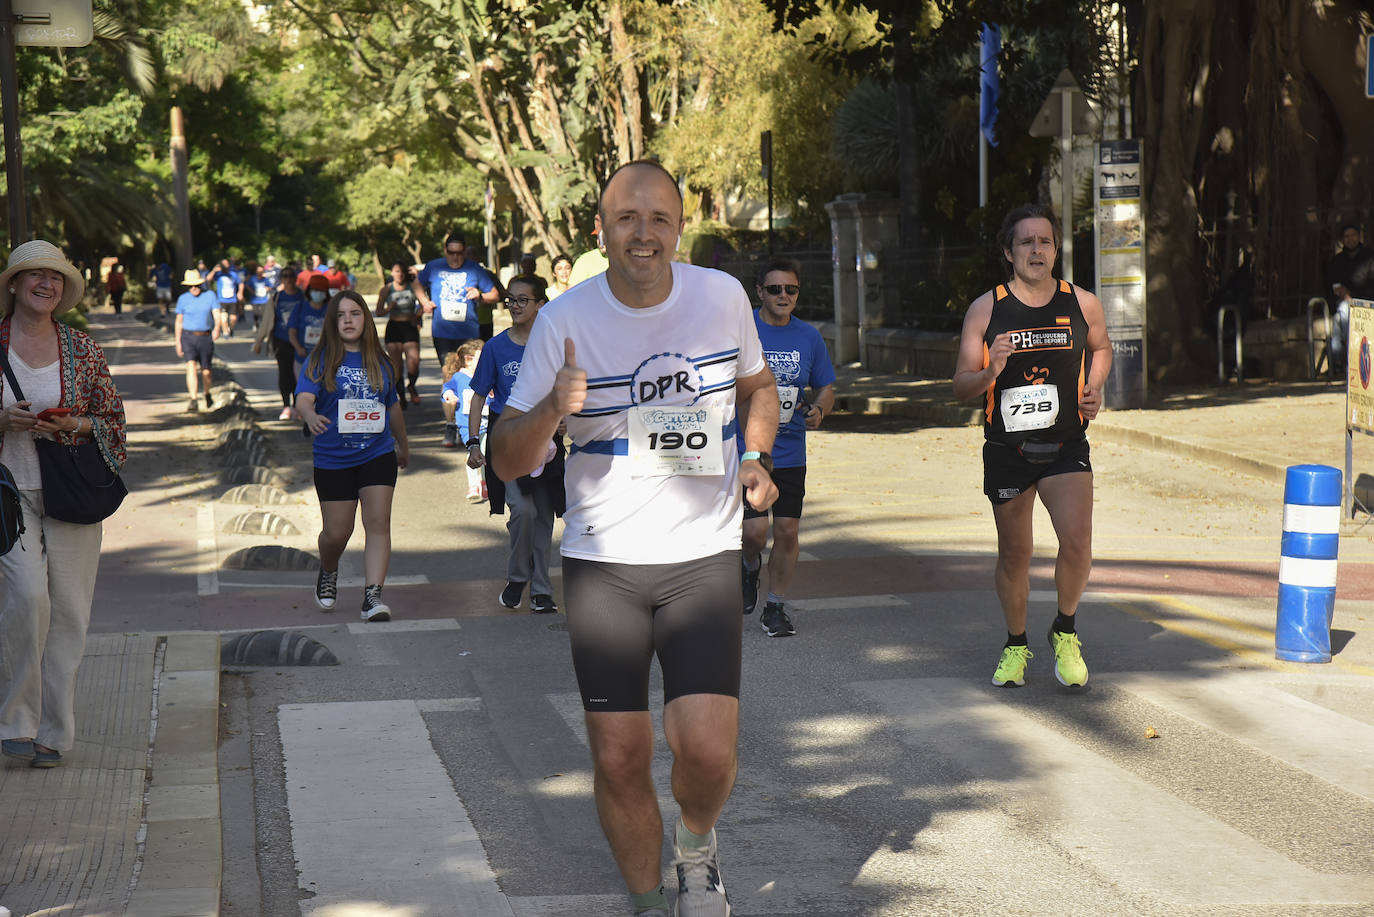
x: 441, y: 768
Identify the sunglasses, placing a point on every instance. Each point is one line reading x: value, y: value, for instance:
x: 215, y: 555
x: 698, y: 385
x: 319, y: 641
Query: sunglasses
x: 454, y: 251
x: 775, y: 289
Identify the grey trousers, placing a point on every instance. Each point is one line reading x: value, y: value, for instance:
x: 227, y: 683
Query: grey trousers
x: 48, y: 588
x: 531, y: 536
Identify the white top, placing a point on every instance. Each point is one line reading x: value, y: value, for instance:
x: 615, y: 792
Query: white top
x: 685, y: 352
x: 43, y: 388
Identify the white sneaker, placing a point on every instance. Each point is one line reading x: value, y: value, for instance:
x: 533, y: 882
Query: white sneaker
x: 286, y: 414
x: 700, y: 889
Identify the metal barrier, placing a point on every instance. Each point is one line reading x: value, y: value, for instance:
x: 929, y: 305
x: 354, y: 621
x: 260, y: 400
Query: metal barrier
x: 1312, y: 359
x: 1221, y: 343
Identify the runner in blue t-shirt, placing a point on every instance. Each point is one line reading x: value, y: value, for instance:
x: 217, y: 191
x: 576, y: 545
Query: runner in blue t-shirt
x: 534, y: 500
x: 796, y: 353
x: 198, y: 325
x: 456, y: 397
x: 307, y: 322
x: 258, y: 290
x: 346, y: 395
x: 224, y: 280
x: 449, y: 288
x: 161, y: 276
x: 277, y: 315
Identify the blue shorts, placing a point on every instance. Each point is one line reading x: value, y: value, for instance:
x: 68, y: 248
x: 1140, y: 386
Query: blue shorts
x: 198, y: 347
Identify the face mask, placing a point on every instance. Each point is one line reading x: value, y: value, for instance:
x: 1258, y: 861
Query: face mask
x: 317, y: 295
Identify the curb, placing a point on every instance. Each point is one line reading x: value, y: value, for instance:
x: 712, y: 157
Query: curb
x: 181, y: 858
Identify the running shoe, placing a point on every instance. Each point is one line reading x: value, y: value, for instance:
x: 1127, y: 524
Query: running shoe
x: 285, y: 414
x: 751, y: 587
x: 450, y: 435
x: 1069, y: 666
x: 543, y: 605
x: 414, y: 397
x: 209, y: 401
x: 700, y: 889
x: 510, y: 596
x: 374, y: 609
x: 775, y: 622
x: 327, y: 589
x: 1011, y: 668
x: 193, y: 406
x: 475, y: 496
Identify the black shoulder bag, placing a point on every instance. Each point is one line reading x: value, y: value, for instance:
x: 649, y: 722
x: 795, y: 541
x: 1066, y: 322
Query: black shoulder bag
x: 77, y: 484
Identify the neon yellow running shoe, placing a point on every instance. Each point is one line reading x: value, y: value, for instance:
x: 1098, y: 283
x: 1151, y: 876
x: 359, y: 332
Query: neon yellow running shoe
x: 1069, y: 666
x: 1011, y: 668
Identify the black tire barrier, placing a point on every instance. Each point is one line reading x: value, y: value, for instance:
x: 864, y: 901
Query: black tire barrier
x: 260, y: 522
x: 270, y: 557
x: 275, y: 648
x: 256, y: 495
x: 251, y: 474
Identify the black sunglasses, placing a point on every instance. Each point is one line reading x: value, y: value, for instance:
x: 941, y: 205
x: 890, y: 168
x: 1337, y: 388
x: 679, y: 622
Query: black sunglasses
x: 775, y: 289
x: 454, y: 251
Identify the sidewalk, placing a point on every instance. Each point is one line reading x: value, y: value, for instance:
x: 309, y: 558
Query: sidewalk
x: 129, y: 825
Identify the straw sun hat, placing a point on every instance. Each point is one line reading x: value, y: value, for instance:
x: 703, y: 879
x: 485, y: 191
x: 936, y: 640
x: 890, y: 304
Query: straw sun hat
x: 192, y: 278
x: 37, y: 255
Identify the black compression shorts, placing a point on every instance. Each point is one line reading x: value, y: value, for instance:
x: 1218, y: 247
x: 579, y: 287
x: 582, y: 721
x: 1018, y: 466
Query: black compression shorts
x: 621, y: 615
x: 402, y: 332
x: 344, y: 483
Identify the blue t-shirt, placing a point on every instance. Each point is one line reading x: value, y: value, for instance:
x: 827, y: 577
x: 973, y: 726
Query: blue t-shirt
x: 457, y: 384
x: 162, y: 275
x: 226, y: 287
x: 262, y: 289
x: 309, y: 323
x: 286, y: 313
x: 455, y: 316
x: 335, y: 448
x: 196, y: 310
x: 797, y: 356
x: 496, y: 370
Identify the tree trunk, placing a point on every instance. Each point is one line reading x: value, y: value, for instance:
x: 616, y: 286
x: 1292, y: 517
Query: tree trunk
x: 623, y: 56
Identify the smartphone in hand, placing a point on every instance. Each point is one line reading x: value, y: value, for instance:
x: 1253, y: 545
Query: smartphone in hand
x: 50, y: 413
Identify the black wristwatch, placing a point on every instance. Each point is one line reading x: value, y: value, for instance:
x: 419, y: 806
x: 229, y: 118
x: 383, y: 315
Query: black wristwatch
x: 763, y: 458
x: 473, y: 442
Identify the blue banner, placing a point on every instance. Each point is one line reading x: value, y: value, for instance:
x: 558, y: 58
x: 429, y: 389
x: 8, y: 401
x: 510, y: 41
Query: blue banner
x: 989, y: 83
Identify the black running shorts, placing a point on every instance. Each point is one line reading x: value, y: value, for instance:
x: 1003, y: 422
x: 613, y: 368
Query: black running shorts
x: 791, y: 492
x: 344, y: 483
x: 1007, y: 473
x: 621, y: 615
x: 197, y: 348
x: 402, y: 332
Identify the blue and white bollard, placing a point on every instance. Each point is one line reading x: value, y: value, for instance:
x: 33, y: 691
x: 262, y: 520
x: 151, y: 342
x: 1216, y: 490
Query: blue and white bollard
x: 1307, y: 567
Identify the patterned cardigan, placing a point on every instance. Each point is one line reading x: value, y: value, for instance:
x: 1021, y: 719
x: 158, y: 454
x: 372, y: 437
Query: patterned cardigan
x: 87, y: 388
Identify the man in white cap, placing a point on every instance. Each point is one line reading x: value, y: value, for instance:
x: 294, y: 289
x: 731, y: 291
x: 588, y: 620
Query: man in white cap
x: 198, y: 323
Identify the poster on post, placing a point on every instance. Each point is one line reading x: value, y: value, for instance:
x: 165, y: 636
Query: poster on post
x: 1119, y: 250
x: 1359, y: 368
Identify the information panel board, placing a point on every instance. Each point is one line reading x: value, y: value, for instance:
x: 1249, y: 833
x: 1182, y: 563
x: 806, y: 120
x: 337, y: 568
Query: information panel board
x: 1359, y: 368
x: 53, y: 23
x: 1119, y: 236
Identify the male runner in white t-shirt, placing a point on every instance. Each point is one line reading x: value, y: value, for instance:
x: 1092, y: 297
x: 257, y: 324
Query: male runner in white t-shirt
x: 649, y: 362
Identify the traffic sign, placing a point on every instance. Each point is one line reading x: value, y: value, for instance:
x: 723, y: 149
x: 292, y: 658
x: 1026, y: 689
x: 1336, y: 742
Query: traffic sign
x: 53, y: 23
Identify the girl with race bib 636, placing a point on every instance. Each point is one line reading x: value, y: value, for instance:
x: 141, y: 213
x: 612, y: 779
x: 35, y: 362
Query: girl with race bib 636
x: 346, y: 395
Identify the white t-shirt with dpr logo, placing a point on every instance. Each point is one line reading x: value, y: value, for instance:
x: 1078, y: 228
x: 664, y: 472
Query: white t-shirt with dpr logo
x: 684, y: 353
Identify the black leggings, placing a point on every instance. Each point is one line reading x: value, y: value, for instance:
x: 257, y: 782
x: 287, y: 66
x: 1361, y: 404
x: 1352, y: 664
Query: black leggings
x: 286, y: 369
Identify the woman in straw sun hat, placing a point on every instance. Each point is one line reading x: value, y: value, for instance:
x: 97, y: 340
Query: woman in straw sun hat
x: 50, y: 575
x: 198, y: 323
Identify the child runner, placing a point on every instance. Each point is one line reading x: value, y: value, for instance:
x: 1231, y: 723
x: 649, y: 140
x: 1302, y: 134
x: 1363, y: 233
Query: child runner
x: 276, y: 325
x: 536, y: 498
x: 457, y: 399
x: 347, y: 398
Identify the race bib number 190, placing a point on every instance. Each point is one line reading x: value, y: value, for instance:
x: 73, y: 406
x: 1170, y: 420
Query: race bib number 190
x: 675, y: 441
x: 787, y: 403
x: 1030, y: 407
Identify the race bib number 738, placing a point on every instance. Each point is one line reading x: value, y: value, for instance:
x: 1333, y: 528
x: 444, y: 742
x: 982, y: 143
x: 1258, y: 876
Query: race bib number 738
x: 1030, y: 407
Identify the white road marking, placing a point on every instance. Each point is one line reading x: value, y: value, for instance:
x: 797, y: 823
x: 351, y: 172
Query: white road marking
x: 369, y: 836
x: 207, y: 551
x: 1124, y: 828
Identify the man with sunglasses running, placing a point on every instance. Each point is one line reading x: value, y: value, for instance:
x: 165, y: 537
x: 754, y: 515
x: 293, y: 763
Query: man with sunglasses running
x: 796, y: 353
x: 450, y: 289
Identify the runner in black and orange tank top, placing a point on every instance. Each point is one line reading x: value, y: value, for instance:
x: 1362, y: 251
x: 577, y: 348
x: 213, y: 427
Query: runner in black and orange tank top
x: 1036, y: 350
x: 1035, y: 396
